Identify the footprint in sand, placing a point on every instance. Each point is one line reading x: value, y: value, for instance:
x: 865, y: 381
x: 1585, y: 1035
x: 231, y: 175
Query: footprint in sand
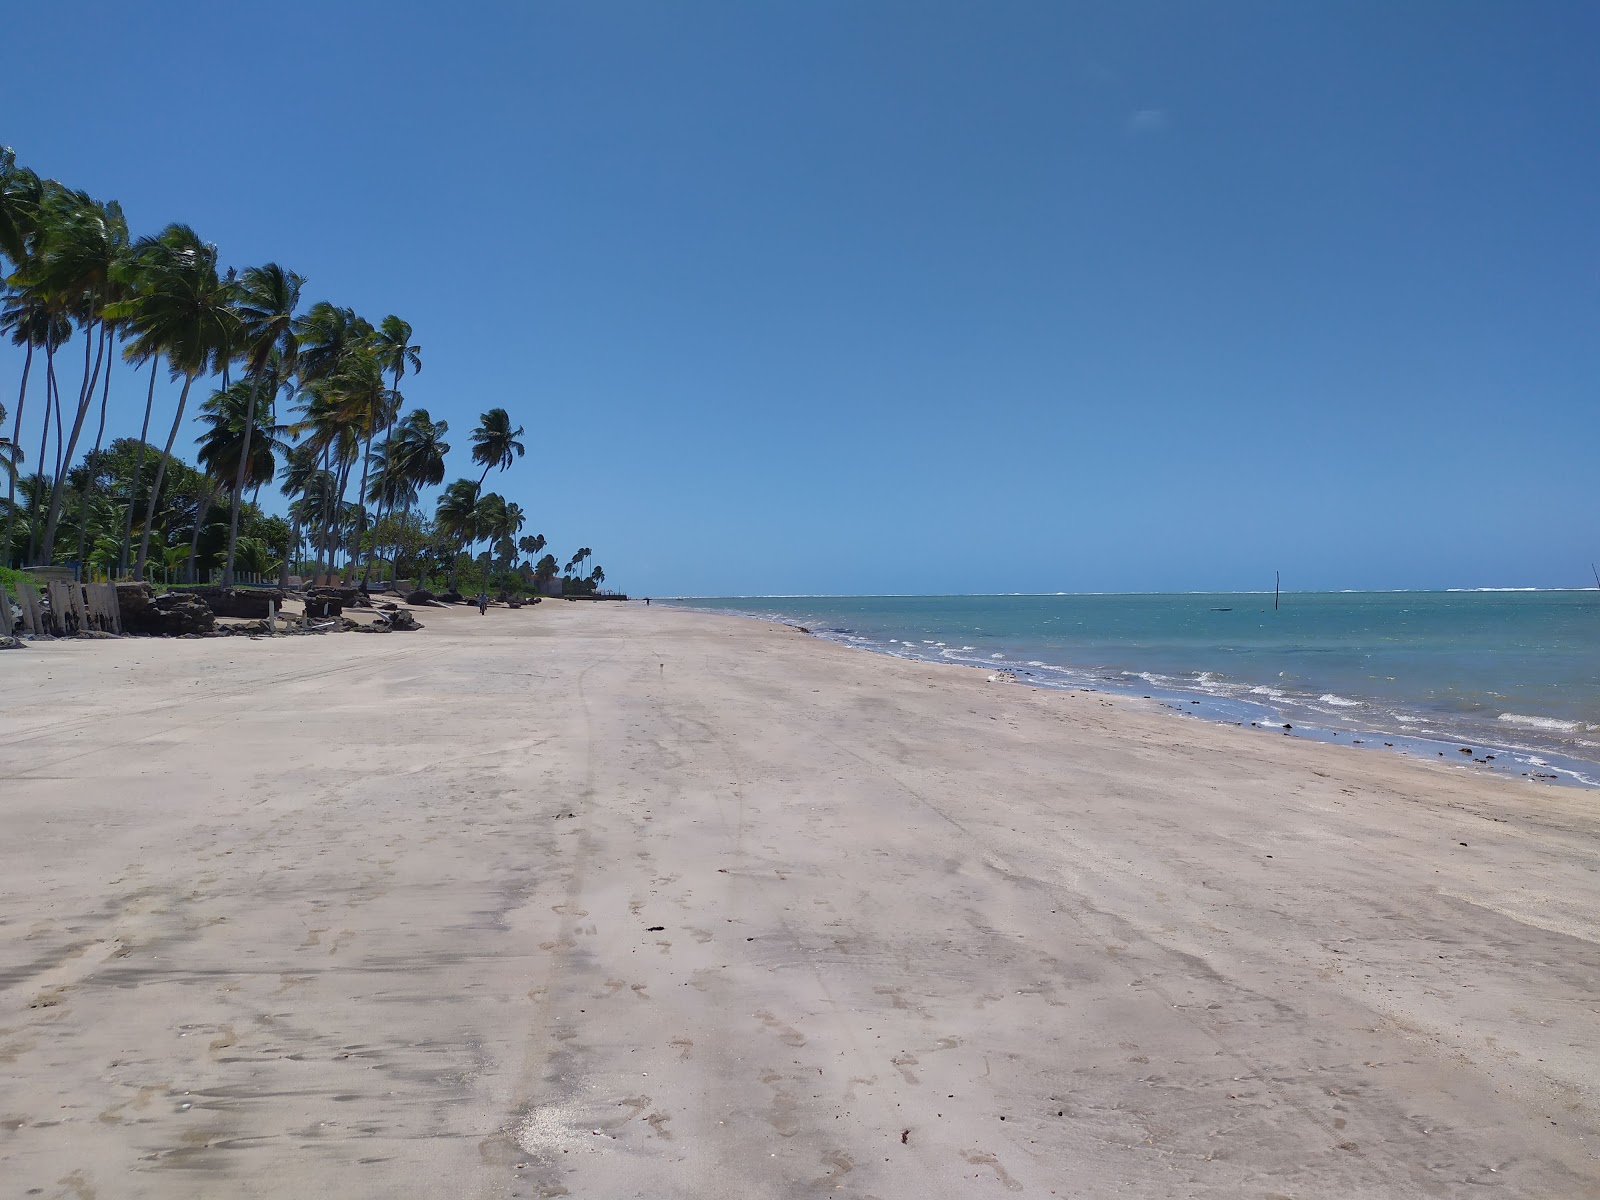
x: 982, y: 1158
x: 787, y: 1034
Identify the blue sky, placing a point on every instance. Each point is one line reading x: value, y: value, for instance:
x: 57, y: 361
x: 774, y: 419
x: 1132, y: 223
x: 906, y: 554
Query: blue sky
x: 919, y: 297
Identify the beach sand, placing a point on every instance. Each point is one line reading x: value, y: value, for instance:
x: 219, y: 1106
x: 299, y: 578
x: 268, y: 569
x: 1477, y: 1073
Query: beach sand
x: 606, y: 901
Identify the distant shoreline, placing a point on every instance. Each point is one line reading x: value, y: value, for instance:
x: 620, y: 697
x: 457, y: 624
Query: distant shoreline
x: 1514, y: 741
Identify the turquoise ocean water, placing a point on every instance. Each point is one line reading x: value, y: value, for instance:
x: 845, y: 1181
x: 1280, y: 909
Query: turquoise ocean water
x: 1515, y: 674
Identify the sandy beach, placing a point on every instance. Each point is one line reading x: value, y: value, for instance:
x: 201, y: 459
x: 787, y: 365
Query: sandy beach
x: 606, y: 901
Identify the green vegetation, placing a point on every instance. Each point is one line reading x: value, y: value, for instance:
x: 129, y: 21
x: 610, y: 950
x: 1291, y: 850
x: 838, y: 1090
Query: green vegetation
x: 307, y: 398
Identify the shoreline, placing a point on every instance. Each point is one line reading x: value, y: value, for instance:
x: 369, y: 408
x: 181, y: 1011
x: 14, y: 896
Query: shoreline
x: 607, y: 900
x: 1496, y: 753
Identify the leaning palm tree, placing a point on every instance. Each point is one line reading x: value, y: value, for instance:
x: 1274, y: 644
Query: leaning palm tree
x: 391, y: 341
x: 20, y: 194
x: 185, y: 313
x: 268, y: 297
x: 79, y: 262
x: 29, y: 322
x: 147, y: 256
x: 494, y: 442
x: 10, y: 459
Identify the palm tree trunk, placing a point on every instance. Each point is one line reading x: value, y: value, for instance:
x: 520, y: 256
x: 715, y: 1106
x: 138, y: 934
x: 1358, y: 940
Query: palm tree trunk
x: 99, y: 436
x: 322, y: 515
x: 138, y: 465
x: 85, y: 400
x: 336, y: 520
x: 361, y: 497
x: 238, y: 479
x: 44, y: 444
x: 56, y: 405
x: 11, y: 478
x: 290, y: 552
x: 388, y: 443
x: 161, y: 472
x: 202, y: 507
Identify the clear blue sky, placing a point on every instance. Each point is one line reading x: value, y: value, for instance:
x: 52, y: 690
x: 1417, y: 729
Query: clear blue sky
x: 920, y: 297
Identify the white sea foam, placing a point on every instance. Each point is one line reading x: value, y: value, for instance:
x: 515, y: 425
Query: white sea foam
x: 1548, y: 724
x: 997, y: 656
x: 1338, y: 701
x: 1270, y: 693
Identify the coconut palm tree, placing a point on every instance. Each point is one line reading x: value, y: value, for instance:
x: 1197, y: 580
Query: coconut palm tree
x: 31, y: 323
x: 420, y: 448
x: 414, y: 457
x: 267, y: 299
x: 457, y: 516
x: 392, y: 343
x: 21, y: 193
x: 331, y: 427
x: 146, y: 256
x: 185, y: 312
x: 373, y: 405
x: 532, y: 545
x: 78, y: 261
x: 305, y: 483
x: 494, y: 442
x: 233, y: 455
x: 10, y: 456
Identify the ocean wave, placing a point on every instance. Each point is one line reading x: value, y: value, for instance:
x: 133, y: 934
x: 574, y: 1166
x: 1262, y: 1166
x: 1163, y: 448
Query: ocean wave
x: 1338, y: 701
x: 1269, y: 693
x: 1548, y: 724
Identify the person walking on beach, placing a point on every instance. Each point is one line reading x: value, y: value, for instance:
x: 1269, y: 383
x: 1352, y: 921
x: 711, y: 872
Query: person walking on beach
x: 483, y: 603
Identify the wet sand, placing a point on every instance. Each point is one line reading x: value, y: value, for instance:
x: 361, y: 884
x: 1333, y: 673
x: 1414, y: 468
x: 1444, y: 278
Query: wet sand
x: 608, y: 901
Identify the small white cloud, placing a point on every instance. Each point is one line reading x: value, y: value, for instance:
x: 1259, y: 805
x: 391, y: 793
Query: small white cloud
x: 1147, y: 120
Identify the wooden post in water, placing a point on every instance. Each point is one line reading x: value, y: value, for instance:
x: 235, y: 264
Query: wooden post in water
x: 1276, y: 579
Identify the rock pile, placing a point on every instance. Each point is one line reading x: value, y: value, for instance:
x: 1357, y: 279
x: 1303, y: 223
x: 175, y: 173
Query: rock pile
x: 174, y: 614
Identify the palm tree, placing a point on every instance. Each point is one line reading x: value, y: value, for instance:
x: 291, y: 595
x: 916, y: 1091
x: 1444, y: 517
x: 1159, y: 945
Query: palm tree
x: 532, y: 545
x: 268, y: 297
x: 332, y: 435
x: 20, y: 194
x: 78, y: 262
x: 457, y: 516
x: 373, y: 406
x: 146, y: 256
x: 10, y: 458
x: 184, y: 312
x: 392, y: 342
x: 415, y: 455
x: 305, y: 483
x: 30, y: 323
x: 494, y: 442
x: 236, y: 449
